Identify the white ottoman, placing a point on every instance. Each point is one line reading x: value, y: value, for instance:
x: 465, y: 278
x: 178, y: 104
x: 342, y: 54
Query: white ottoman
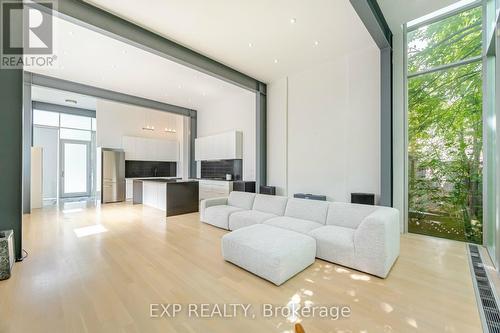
x: 272, y: 253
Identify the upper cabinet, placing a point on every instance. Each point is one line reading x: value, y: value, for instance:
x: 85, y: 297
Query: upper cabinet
x: 224, y: 146
x: 146, y: 149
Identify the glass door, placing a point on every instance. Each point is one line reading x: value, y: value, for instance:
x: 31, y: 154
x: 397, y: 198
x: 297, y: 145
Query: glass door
x: 75, y: 168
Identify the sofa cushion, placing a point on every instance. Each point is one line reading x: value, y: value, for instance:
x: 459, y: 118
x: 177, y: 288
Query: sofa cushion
x: 348, y: 215
x: 219, y: 215
x: 246, y: 218
x: 271, y: 253
x: 311, y: 210
x: 243, y: 200
x: 335, y: 244
x: 290, y: 223
x: 270, y: 204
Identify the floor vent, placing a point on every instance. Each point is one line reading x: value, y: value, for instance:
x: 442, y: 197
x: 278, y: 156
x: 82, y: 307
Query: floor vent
x: 488, y: 304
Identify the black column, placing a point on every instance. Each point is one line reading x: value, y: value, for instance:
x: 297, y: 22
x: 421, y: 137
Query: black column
x: 11, y: 161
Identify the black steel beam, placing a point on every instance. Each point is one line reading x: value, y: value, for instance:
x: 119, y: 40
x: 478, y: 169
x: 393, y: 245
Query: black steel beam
x: 374, y: 21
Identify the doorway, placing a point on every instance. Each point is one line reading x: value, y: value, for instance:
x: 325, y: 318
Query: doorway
x: 66, y: 136
x: 75, y: 168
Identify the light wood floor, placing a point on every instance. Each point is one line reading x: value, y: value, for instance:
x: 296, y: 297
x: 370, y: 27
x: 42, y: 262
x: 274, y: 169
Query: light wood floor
x: 105, y: 282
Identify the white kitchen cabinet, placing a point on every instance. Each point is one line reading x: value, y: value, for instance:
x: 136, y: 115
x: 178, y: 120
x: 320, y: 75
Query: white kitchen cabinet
x: 224, y: 146
x: 129, y: 189
x: 167, y: 150
x: 214, y: 188
x: 130, y: 148
x: 149, y: 194
x: 161, y: 196
x: 150, y: 149
x: 154, y: 194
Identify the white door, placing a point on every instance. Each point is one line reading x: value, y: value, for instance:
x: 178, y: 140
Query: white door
x: 75, y: 168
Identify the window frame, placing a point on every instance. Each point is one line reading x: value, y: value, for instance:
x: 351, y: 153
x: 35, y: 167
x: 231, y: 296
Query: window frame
x: 407, y: 76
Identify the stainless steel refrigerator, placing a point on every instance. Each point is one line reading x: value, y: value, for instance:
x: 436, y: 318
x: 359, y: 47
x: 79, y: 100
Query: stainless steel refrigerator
x: 113, y: 175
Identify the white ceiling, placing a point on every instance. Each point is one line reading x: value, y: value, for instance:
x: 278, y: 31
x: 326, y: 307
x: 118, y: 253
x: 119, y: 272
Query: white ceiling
x: 399, y: 12
x: 87, y: 57
x: 223, y: 30
x: 59, y: 97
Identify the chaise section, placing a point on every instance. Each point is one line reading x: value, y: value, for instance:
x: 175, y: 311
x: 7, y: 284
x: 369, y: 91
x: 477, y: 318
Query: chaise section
x: 272, y: 253
x: 377, y: 241
x: 363, y: 237
x: 216, y: 211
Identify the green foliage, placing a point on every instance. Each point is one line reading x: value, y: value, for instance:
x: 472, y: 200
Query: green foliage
x: 445, y: 129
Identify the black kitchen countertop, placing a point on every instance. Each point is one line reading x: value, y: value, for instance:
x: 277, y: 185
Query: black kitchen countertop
x: 216, y: 179
x: 162, y: 180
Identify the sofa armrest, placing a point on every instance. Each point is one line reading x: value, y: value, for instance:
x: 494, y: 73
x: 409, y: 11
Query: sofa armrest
x: 377, y: 241
x: 204, y: 204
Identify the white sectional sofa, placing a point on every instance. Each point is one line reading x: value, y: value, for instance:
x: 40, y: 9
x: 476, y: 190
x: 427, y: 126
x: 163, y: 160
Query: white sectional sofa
x: 362, y: 237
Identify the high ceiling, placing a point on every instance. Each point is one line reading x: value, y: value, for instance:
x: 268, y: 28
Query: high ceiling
x: 399, y: 12
x: 266, y: 39
x: 88, y: 57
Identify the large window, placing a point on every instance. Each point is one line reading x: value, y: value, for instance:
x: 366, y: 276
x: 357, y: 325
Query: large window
x: 69, y: 153
x: 445, y: 147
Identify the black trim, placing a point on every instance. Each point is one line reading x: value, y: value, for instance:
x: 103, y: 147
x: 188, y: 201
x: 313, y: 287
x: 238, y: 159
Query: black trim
x: 44, y: 106
x: 54, y: 83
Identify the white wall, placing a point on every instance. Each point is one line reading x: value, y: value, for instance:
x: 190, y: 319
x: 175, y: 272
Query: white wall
x: 48, y: 140
x: 237, y: 112
x: 324, y: 128
x: 115, y: 120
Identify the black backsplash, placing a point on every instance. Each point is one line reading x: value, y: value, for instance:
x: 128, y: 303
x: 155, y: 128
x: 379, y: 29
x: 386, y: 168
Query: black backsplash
x: 136, y: 169
x: 219, y: 169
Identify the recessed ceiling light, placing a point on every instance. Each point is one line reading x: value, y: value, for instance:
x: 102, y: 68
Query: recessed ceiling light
x: 293, y: 20
x: 276, y: 61
x: 70, y: 33
x: 316, y: 43
x: 250, y: 44
x: 72, y: 101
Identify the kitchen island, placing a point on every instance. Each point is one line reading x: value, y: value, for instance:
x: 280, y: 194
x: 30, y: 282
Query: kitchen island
x: 174, y: 196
